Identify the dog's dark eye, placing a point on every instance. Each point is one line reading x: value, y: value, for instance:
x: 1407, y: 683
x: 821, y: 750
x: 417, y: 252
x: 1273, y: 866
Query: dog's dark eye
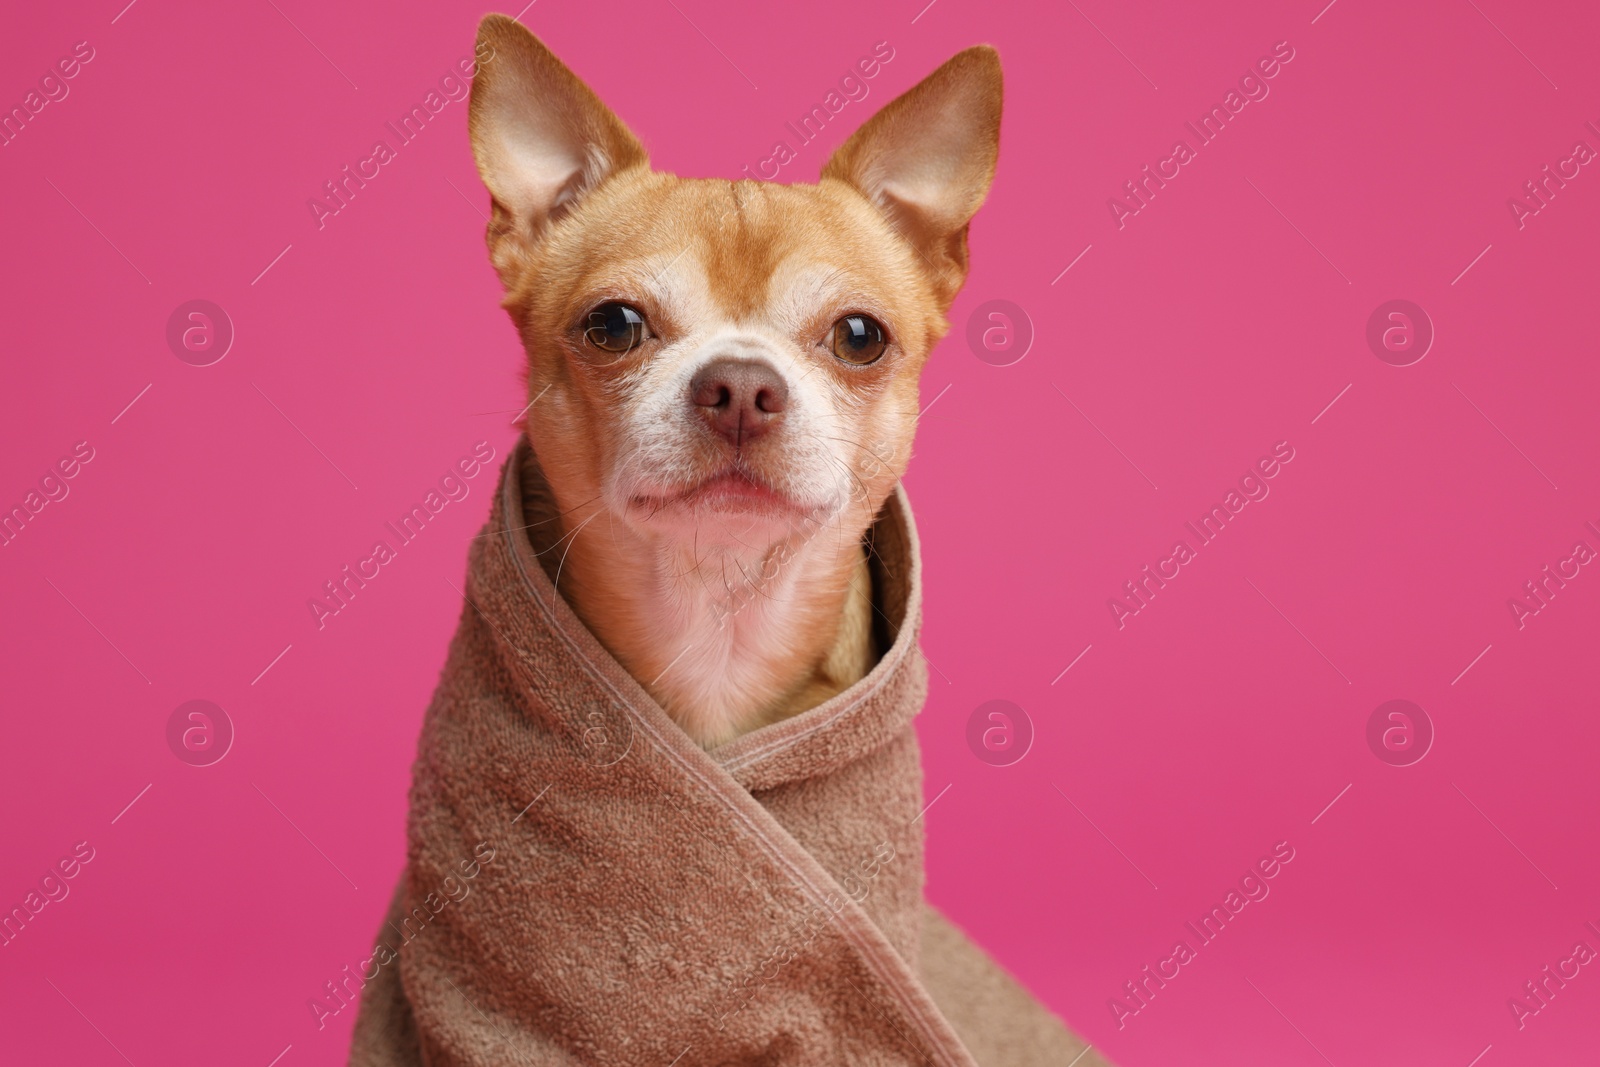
x: 858, y: 339
x: 615, y: 328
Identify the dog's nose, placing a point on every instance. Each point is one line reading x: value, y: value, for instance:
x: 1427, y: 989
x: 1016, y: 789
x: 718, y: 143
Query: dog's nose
x: 740, y: 399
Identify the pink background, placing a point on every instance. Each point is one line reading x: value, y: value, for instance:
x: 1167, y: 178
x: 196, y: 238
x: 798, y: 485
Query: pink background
x: 1223, y: 718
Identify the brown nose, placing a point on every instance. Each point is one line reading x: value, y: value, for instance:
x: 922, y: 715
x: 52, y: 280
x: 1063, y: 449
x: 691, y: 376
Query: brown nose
x: 740, y: 399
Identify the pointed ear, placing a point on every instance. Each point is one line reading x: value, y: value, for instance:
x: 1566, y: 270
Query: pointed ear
x: 541, y: 137
x: 927, y: 158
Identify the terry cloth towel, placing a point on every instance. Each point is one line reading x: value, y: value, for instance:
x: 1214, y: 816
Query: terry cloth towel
x: 586, y: 885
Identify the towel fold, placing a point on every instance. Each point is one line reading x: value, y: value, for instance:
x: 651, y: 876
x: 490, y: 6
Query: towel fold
x: 586, y: 885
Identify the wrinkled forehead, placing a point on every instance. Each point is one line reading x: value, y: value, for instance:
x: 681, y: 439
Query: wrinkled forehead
x: 704, y: 251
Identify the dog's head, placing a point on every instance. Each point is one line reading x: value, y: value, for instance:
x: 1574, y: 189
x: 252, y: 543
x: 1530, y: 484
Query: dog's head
x: 725, y: 362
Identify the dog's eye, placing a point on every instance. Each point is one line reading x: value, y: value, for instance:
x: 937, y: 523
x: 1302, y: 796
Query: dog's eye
x: 858, y: 339
x: 615, y: 328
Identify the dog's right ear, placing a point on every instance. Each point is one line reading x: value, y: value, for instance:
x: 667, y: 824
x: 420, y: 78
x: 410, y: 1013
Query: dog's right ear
x: 542, y: 139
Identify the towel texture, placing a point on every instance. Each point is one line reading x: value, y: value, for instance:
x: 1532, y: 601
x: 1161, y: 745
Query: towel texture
x: 585, y: 885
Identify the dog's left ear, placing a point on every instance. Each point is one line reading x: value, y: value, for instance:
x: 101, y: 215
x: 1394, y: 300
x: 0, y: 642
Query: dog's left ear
x: 926, y: 160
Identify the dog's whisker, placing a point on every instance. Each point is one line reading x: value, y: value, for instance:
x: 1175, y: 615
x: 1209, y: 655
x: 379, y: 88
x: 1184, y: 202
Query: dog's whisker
x: 556, y: 582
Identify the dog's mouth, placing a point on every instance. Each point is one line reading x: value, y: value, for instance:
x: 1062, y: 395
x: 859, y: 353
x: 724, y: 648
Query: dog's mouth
x: 729, y: 490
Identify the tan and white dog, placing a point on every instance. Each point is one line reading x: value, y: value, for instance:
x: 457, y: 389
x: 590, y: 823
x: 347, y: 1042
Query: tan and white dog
x: 723, y: 375
x: 722, y: 389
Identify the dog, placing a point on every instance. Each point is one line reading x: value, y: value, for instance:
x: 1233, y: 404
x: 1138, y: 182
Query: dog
x: 672, y: 748
x: 723, y: 375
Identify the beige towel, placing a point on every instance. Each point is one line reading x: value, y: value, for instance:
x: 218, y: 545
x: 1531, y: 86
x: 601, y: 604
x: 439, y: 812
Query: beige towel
x: 585, y: 885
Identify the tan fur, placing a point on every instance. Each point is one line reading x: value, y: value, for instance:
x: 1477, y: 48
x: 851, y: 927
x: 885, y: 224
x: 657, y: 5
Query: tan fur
x: 731, y: 617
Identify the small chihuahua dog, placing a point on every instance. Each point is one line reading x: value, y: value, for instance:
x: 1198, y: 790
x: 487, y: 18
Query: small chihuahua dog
x: 723, y: 375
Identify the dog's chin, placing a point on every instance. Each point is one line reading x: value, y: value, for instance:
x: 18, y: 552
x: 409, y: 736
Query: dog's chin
x: 728, y: 507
